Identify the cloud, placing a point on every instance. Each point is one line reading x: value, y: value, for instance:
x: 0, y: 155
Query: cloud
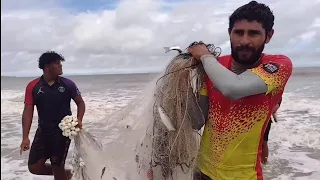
x: 130, y: 37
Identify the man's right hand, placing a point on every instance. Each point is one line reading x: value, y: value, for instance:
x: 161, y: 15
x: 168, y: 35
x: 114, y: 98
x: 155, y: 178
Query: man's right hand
x: 199, y: 50
x: 25, y: 145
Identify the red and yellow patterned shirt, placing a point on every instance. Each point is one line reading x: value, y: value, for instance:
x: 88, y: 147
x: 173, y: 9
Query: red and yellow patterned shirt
x: 232, y: 138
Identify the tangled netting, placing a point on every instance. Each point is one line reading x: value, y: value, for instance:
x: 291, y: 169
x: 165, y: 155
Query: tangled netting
x: 174, y: 94
x: 177, y: 95
x: 158, y: 130
x: 90, y: 155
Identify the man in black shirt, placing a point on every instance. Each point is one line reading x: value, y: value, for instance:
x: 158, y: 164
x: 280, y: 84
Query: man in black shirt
x: 51, y: 94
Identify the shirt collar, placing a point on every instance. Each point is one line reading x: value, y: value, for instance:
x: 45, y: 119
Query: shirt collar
x: 58, y: 80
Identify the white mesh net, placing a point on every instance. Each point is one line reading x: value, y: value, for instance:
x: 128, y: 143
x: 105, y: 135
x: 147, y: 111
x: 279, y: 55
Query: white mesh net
x: 144, y: 147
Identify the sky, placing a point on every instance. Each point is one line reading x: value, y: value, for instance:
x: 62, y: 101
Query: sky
x: 128, y: 36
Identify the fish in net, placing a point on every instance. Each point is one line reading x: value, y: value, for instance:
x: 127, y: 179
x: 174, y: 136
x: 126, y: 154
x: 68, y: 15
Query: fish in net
x: 159, y: 135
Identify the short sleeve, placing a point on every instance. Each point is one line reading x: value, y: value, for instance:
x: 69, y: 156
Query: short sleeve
x: 275, y: 72
x: 72, y: 87
x: 74, y: 90
x: 28, y: 97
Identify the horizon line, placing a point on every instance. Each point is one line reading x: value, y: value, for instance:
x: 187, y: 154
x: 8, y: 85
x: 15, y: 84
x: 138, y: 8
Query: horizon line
x: 125, y: 73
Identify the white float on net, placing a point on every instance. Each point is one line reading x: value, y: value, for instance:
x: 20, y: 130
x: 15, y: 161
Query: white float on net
x: 68, y: 126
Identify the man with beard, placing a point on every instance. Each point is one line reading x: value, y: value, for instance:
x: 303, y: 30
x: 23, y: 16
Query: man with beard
x: 243, y: 90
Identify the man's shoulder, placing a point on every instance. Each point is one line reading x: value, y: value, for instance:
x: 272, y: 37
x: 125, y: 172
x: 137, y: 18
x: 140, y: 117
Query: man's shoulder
x: 66, y: 81
x: 33, y: 82
x: 274, y: 63
x: 277, y: 58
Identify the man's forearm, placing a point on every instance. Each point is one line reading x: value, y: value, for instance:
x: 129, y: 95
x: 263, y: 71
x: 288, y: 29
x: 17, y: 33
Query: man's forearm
x: 230, y: 84
x: 26, y: 125
x: 81, y: 108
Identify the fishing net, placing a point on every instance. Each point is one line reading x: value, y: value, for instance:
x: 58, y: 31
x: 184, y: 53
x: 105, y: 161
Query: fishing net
x: 156, y: 136
x: 174, y: 94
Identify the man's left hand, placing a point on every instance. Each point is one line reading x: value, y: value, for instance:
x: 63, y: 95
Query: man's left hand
x: 198, y: 50
x: 79, y: 125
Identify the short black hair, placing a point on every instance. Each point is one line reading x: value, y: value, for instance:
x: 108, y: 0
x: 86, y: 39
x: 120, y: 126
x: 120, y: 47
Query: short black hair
x: 49, y: 57
x: 253, y: 11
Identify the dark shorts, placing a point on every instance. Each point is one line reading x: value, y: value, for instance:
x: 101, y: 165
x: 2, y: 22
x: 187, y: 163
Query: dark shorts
x: 198, y: 175
x: 52, y: 145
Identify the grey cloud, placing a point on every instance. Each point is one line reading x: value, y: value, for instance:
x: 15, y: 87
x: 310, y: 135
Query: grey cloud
x: 127, y: 37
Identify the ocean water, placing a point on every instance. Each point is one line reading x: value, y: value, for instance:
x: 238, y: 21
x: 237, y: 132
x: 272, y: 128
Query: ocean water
x: 294, y: 142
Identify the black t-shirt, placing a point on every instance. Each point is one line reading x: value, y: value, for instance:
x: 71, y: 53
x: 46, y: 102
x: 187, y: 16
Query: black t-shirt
x: 52, y: 102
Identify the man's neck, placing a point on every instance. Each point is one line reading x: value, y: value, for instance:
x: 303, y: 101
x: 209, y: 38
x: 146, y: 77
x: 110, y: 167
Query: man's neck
x: 240, y: 68
x: 49, y: 79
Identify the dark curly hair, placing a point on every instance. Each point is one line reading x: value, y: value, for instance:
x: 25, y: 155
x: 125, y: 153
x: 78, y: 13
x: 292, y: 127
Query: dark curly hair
x: 253, y: 11
x: 48, y: 58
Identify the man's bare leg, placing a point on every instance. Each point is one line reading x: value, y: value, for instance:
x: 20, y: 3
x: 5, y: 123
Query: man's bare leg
x: 69, y: 174
x: 41, y: 168
x: 61, y: 174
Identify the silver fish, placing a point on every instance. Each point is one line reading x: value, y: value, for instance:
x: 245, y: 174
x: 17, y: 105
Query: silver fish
x: 175, y: 48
